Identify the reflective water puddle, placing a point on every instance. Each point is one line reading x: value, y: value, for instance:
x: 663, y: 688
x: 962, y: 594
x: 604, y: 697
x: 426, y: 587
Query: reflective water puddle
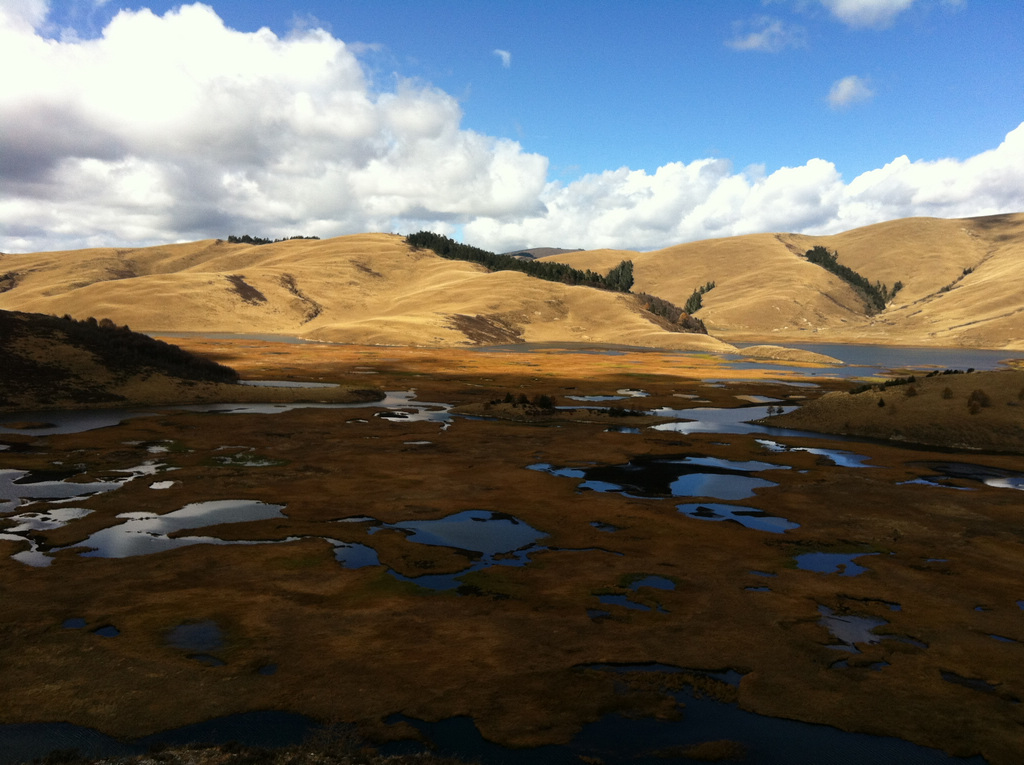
x: 475, y: 530
x: 495, y: 538
x: 287, y: 384
x: 19, y: 487
x: 977, y: 684
x: 628, y: 601
x: 689, y: 476
x: 655, y: 582
x: 943, y: 472
x: 352, y: 555
x: 737, y: 420
x: 831, y: 563
x: 499, y: 539
x: 750, y: 517
x: 65, y: 421
x: 620, y: 394
x: 44, y: 520
x: 835, y: 456
x: 147, y: 533
x: 397, y: 405
x: 623, y: 601
x: 850, y: 630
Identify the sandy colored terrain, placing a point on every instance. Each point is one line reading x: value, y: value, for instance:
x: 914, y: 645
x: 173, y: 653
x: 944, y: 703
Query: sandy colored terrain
x: 960, y: 282
x: 366, y: 289
x: 765, y: 289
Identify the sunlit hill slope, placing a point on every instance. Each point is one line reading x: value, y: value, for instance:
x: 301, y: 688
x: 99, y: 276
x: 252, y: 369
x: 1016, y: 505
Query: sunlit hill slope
x: 960, y: 288
x: 961, y: 283
x: 370, y: 288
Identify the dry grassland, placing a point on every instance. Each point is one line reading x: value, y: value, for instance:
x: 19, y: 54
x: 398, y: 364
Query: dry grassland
x: 960, y: 282
x: 765, y: 289
x: 366, y: 289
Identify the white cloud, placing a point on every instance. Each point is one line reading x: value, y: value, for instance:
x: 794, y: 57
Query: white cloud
x: 864, y: 14
x: 704, y: 199
x: 505, y: 56
x: 176, y: 127
x: 848, y: 91
x: 23, y: 14
x: 765, y: 34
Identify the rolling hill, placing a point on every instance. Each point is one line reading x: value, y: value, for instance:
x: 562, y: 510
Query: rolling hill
x: 960, y: 282
x: 369, y: 288
x: 960, y: 289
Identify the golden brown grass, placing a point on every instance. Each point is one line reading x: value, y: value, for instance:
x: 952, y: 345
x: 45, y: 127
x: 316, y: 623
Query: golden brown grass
x: 374, y: 289
x: 981, y: 410
x: 365, y: 289
x: 765, y: 289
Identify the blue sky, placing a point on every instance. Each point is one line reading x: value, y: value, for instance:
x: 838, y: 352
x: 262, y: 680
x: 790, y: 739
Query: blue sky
x: 578, y: 124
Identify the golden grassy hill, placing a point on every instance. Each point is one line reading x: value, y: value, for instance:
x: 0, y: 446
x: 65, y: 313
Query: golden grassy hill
x: 369, y: 289
x: 766, y: 289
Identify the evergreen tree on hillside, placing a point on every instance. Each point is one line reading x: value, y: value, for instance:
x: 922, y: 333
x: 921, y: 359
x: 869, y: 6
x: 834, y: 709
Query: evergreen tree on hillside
x: 876, y: 296
x: 619, y: 279
x: 695, y: 302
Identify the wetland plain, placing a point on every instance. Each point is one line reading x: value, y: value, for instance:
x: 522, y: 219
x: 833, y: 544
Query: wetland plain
x: 530, y: 575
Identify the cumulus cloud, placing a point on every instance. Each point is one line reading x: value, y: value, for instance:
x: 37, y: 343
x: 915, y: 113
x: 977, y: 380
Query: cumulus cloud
x: 505, y: 56
x: 766, y: 35
x: 707, y: 198
x: 176, y: 127
x: 23, y: 14
x: 848, y: 91
x: 867, y: 14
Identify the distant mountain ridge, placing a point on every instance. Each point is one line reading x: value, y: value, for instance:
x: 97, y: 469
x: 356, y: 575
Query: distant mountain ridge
x: 959, y: 280
x: 541, y: 252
